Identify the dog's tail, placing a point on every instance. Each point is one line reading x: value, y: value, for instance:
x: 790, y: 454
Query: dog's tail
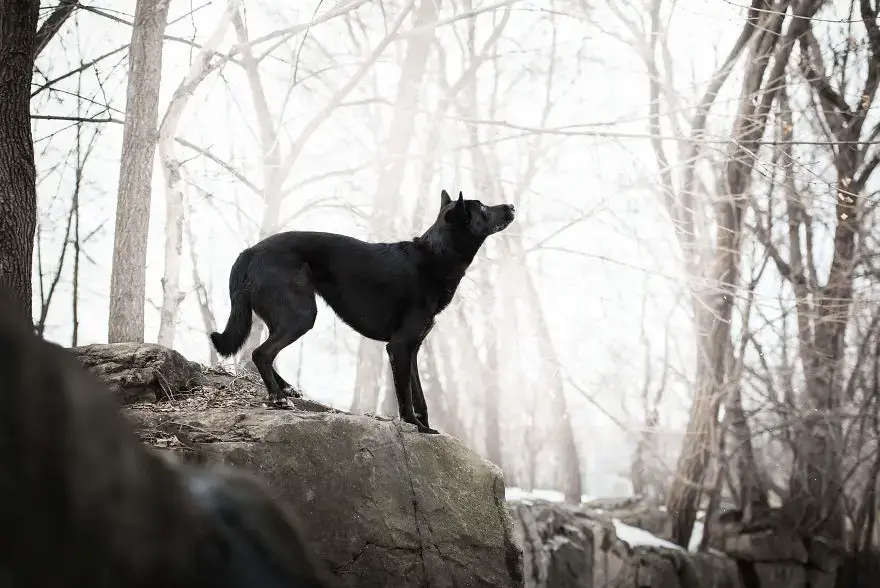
x: 239, y: 324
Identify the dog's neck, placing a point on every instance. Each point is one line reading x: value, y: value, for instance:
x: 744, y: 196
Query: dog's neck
x: 457, y: 259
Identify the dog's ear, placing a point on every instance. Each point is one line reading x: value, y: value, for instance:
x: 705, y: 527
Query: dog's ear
x: 444, y: 198
x: 457, y: 213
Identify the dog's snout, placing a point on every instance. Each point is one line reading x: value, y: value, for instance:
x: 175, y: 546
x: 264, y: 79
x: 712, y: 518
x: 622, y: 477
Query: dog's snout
x: 510, y: 210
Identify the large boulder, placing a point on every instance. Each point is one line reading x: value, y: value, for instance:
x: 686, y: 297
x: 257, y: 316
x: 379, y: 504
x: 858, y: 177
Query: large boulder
x: 140, y: 371
x: 384, y: 505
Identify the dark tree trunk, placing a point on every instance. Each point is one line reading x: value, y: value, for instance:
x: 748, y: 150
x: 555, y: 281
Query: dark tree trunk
x: 18, y: 194
x: 128, y: 277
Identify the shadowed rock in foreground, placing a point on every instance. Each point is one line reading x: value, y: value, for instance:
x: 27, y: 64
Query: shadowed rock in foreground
x: 385, y: 505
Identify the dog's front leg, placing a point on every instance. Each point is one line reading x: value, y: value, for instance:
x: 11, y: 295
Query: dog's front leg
x: 418, y: 394
x: 400, y: 354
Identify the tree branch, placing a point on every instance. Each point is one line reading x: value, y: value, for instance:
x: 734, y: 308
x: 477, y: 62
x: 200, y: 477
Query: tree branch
x: 53, y: 24
x: 77, y: 119
x: 225, y: 165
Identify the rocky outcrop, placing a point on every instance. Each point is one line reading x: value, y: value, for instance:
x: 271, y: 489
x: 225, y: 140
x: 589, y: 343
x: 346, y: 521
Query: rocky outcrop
x: 769, y: 553
x: 565, y: 546
x: 384, y: 505
x: 568, y: 546
x: 141, y: 371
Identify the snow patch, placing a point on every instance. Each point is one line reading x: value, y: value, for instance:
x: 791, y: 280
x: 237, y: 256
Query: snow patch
x: 696, y: 537
x: 635, y: 537
x: 514, y: 493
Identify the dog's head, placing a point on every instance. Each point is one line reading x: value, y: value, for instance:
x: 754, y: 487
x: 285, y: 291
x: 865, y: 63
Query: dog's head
x: 472, y: 217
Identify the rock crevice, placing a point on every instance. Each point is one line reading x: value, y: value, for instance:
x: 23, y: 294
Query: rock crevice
x: 415, y: 506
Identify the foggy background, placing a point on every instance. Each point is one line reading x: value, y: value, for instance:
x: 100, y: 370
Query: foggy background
x: 576, y: 318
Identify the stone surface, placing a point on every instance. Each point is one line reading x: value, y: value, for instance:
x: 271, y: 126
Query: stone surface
x: 766, y: 546
x: 559, y: 544
x: 822, y: 555
x: 781, y: 574
x: 385, y: 505
x: 566, y: 546
x: 140, y: 371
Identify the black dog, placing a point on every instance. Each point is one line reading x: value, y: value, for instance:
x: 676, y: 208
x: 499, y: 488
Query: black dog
x: 385, y: 291
x: 84, y: 503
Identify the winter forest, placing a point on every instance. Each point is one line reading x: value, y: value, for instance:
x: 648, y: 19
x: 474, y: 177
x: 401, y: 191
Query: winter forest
x: 686, y: 308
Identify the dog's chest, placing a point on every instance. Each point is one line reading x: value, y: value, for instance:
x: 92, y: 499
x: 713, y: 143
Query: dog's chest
x: 445, y: 297
x: 446, y: 290
x: 439, y: 281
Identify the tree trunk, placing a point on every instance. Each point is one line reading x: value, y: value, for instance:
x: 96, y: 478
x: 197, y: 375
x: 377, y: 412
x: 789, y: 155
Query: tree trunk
x: 172, y: 296
x: 563, y: 431
x: 18, y: 195
x: 400, y: 133
x: 493, y: 396
x: 714, y: 312
x: 279, y: 176
x: 816, y: 487
x: 369, y: 374
x: 389, y: 402
x: 271, y: 169
x: 128, y: 277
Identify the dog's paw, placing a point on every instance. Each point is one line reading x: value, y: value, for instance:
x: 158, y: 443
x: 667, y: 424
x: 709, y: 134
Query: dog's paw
x: 291, y: 392
x: 283, y: 403
x: 420, y: 427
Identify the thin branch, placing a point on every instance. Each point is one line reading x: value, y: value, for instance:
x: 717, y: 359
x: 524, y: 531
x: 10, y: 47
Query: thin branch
x: 225, y: 165
x: 77, y: 119
x: 53, y: 24
x: 81, y: 68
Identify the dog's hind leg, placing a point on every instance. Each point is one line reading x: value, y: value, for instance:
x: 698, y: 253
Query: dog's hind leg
x: 289, y: 309
x: 287, y: 389
x: 264, y: 356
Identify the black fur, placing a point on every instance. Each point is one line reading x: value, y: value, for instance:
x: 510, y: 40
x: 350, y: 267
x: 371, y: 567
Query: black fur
x: 385, y: 291
x: 84, y: 503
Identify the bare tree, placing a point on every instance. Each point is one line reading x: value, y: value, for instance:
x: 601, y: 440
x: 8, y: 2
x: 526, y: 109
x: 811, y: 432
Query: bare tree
x: 649, y: 478
x: 128, y: 277
x: 397, y: 140
x: 18, y: 197
x: 203, y: 64
x: 767, y: 44
x: 277, y: 165
x: 71, y: 236
x: 209, y: 321
x: 714, y: 284
x: 815, y: 500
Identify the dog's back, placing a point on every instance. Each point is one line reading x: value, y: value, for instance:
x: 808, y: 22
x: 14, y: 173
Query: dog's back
x: 83, y: 502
